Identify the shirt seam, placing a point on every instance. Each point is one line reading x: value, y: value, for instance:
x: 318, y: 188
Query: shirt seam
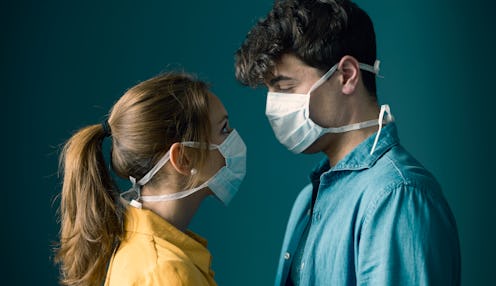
x: 386, y: 156
x: 388, y: 189
x: 406, y: 185
x: 153, y: 270
x: 379, y: 198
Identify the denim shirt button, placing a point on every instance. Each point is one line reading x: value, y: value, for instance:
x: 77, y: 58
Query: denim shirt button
x: 287, y: 255
x: 316, y: 217
x: 309, y: 211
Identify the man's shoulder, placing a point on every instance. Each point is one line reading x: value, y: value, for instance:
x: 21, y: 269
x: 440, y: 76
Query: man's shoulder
x: 397, y: 167
x: 395, y: 171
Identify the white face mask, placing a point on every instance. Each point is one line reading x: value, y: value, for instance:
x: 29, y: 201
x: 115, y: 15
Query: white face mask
x: 224, y: 184
x: 289, y: 116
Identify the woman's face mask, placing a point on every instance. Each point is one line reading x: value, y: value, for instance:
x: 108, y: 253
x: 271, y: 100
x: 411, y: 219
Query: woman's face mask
x: 224, y: 184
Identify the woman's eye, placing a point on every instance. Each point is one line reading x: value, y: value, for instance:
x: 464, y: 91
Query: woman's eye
x: 226, y: 129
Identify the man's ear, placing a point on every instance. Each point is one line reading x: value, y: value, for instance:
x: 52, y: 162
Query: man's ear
x: 179, y: 159
x: 350, y: 74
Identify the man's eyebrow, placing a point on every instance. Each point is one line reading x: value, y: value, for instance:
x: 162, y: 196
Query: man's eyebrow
x: 277, y: 79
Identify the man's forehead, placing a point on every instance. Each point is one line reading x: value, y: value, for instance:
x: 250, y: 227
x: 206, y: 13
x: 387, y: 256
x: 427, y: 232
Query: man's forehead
x: 288, y: 61
x: 284, y: 69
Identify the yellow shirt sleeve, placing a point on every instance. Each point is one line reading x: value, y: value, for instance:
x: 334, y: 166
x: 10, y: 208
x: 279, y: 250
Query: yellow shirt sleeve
x: 173, y: 273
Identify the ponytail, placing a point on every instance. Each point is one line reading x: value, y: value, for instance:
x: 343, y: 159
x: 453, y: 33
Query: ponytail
x: 144, y: 122
x: 91, y: 218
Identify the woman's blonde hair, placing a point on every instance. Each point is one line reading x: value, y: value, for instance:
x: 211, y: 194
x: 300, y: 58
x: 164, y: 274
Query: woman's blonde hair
x: 144, y: 123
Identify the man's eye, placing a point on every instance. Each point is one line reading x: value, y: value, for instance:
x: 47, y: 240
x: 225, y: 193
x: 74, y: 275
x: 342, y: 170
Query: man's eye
x: 285, y: 89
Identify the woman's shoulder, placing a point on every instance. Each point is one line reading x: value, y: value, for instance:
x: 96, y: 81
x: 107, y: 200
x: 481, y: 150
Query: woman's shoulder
x: 146, y: 266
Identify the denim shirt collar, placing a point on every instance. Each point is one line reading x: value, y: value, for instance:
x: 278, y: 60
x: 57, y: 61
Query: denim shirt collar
x: 360, y: 157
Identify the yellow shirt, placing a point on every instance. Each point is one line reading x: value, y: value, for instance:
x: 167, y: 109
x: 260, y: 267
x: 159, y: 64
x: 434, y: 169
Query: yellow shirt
x: 153, y: 252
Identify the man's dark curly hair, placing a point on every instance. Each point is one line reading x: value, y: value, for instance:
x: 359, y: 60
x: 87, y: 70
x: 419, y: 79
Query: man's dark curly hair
x: 318, y: 32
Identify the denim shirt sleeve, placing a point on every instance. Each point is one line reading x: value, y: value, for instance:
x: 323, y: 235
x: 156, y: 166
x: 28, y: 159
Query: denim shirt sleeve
x: 295, y: 227
x: 407, y: 237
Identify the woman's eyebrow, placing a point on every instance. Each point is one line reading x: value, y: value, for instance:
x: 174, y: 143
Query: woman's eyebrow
x: 223, y: 119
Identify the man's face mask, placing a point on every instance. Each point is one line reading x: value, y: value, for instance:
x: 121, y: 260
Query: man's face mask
x: 289, y: 116
x: 224, y: 184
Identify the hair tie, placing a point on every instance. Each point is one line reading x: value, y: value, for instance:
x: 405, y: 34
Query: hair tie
x: 106, y: 129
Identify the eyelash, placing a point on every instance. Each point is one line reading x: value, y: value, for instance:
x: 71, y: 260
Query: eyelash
x: 288, y: 89
x: 225, y: 128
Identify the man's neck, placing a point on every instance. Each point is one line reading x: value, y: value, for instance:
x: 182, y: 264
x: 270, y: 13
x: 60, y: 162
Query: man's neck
x: 343, y: 143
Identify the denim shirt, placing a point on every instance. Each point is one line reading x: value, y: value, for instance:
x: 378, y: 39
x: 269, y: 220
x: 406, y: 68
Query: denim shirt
x: 377, y: 219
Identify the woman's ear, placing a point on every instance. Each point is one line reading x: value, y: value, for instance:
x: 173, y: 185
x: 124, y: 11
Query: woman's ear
x: 350, y: 72
x: 179, y: 159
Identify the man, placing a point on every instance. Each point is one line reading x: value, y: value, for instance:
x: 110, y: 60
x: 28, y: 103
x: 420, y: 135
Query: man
x: 372, y: 215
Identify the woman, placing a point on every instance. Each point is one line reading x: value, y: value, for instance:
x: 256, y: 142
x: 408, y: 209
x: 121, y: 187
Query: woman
x: 171, y: 136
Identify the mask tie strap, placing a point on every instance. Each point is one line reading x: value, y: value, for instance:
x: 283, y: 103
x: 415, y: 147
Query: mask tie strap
x: 199, y: 145
x: 384, y: 108
x: 326, y: 76
x: 173, y: 196
x: 148, y: 176
x: 136, y: 188
x: 373, y: 69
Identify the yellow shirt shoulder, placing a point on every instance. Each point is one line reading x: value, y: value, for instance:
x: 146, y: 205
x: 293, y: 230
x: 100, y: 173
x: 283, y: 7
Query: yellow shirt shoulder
x: 153, y: 252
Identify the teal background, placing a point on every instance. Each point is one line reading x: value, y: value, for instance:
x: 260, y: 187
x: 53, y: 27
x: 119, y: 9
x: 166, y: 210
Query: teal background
x: 64, y: 63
